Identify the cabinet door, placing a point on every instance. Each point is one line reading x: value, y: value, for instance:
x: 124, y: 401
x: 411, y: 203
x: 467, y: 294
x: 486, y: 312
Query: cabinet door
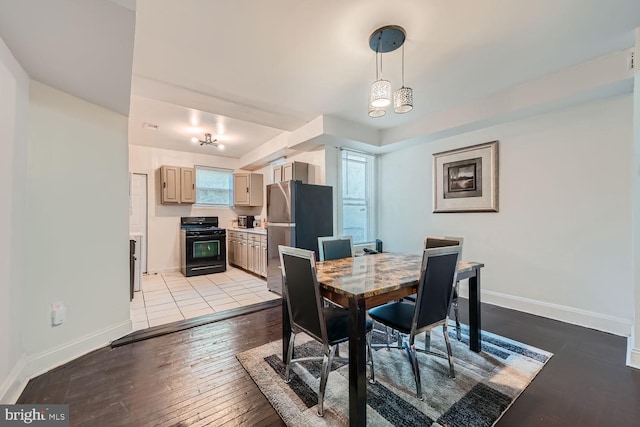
x: 277, y: 174
x: 250, y: 257
x: 263, y: 260
x: 287, y: 172
x: 244, y: 263
x: 241, y: 189
x: 231, y: 251
x: 187, y: 185
x: 170, y: 177
x: 237, y: 259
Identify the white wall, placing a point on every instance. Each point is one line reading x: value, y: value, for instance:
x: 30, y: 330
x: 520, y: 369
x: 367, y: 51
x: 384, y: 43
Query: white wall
x: 164, y: 220
x: 561, y: 244
x: 14, y: 90
x: 77, y: 234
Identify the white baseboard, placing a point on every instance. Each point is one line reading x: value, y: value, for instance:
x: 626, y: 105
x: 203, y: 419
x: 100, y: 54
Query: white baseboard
x: 576, y: 316
x: 634, y: 358
x: 163, y: 270
x: 37, y: 364
x: 12, y: 386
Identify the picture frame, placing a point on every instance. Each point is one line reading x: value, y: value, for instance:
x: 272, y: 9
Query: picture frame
x: 466, y: 179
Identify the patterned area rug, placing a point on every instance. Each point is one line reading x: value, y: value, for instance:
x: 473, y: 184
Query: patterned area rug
x: 486, y: 383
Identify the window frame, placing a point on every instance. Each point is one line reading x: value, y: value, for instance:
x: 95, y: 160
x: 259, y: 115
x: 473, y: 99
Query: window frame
x: 370, y: 195
x: 230, y: 189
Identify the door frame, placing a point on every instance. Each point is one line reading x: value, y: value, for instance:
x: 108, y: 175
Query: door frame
x: 145, y: 269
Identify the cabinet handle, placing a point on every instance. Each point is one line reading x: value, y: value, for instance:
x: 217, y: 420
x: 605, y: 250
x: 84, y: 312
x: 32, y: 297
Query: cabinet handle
x: 193, y: 186
x: 247, y: 189
x: 164, y: 185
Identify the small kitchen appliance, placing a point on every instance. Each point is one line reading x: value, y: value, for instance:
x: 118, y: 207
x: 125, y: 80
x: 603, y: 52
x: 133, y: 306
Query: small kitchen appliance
x: 246, y: 221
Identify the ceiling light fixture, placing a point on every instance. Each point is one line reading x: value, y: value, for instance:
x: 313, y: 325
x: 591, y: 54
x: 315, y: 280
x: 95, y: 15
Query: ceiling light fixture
x: 208, y: 141
x: 383, y: 40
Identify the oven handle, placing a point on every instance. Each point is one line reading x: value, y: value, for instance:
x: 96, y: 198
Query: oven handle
x: 203, y: 268
x: 208, y: 236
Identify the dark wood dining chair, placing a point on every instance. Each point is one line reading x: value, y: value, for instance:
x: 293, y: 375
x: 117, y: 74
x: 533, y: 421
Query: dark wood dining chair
x: 307, y: 313
x: 331, y: 247
x: 438, y: 274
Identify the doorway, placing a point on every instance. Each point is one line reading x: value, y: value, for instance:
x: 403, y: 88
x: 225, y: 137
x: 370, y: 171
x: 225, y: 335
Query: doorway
x: 139, y: 213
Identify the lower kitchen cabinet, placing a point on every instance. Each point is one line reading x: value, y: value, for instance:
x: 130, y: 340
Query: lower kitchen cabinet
x: 248, y: 251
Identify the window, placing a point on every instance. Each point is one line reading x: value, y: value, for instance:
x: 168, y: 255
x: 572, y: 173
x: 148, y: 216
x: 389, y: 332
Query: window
x: 213, y: 186
x: 357, y: 196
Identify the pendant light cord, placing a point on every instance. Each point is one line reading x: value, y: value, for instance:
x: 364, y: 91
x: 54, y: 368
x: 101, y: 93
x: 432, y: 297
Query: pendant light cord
x: 379, y: 39
x: 378, y: 55
x: 403, y: 65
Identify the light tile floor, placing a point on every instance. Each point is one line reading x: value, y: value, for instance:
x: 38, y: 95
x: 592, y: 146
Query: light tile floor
x: 169, y: 297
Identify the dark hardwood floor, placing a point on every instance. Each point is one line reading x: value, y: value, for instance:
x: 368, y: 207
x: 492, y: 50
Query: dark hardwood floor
x: 192, y: 377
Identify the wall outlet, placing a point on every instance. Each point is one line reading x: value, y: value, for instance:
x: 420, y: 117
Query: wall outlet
x: 58, y: 313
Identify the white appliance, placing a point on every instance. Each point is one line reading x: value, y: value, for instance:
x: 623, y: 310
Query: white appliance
x: 137, y: 264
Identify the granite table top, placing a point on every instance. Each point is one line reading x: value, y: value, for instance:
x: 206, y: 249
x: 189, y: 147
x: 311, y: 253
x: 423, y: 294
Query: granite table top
x: 371, y: 275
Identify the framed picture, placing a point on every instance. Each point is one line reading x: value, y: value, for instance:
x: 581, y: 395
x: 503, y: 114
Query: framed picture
x: 466, y: 179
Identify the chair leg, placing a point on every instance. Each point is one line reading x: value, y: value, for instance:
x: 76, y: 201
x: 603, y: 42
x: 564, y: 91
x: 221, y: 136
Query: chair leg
x: 452, y: 372
x: 372, y: 378
x: 289, y: 356
x: 457, y: 316
x: 326, y: 368
x: 427, y: 341
x: 386, y: 331
x: 413, y: 358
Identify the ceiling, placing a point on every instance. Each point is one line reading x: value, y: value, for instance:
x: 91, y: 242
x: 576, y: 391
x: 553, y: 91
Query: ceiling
x: 84, y: 48
x: 254, y: 69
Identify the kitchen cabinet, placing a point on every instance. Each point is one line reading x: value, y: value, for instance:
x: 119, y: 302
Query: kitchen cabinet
x: 238, y: 249
x: 263, y: 256
x: 177, y: 184
x: 187, y: 185
x: 248, y: 251
x: 256, y: 252
x: 247, y: 189
x: 297, y: 171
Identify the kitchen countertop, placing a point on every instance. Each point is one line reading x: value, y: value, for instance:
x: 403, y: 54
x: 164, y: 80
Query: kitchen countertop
x: 261, y: 231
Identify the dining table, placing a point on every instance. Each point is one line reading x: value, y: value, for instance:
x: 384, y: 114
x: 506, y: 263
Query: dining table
x: 363, y: 282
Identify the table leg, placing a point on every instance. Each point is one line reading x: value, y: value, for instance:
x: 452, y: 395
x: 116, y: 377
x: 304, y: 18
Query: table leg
x: 357, y: 364
x: 475, y: 341
x: 286, y: 328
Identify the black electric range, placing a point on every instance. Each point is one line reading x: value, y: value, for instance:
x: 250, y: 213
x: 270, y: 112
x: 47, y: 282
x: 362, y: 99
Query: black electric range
x: 203, y: 246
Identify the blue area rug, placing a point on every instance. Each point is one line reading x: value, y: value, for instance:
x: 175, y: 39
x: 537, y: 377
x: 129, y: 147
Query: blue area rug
x: 486, y: 383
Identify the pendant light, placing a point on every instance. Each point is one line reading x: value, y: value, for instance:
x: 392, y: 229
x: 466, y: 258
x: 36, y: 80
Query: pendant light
x: 403, y: 97
x: 383, y: 40
x: 380, y: 95
x: 376, y: 111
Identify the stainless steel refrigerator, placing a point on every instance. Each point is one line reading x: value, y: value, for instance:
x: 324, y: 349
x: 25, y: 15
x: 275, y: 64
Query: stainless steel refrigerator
x: 297, y: 214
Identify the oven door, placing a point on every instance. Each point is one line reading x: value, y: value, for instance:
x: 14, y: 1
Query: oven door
x: 204, y: 253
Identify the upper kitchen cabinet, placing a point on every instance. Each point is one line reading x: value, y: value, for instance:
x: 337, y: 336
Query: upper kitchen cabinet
x: 297, y: 171
x: 177, y: 184
x: 188, y: 185
x: 247, y: 189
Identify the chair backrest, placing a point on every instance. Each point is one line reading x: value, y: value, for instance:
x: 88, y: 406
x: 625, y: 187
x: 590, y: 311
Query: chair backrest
x: 437, y: 279
x: 441, y: 241
x: 302, y: 292
x: 335, y: 247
